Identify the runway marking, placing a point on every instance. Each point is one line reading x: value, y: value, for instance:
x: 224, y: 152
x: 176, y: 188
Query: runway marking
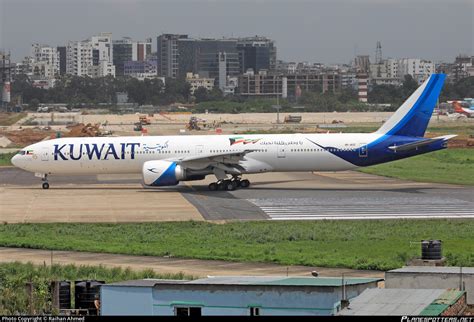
x: 381, y: 210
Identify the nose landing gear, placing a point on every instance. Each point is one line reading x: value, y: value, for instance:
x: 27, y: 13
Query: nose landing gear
x: 45, y: 182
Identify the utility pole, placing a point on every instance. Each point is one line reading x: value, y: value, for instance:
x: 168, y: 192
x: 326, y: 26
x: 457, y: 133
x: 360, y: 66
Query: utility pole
x: 278, y: 109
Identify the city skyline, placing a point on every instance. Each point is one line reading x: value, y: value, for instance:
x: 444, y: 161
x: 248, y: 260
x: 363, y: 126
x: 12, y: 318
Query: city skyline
x: 327, y: 32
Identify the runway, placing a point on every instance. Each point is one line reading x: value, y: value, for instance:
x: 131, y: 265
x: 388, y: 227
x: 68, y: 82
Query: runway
x: 285, y: 209
x: 272, y: 196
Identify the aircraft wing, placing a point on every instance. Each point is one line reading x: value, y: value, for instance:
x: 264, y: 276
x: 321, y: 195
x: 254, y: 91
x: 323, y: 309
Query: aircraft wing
x: 418, y: 144
x: 233, y: 157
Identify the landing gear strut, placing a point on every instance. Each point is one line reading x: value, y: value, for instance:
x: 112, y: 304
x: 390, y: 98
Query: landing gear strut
x: 45, y: 182
x: 229, y: 184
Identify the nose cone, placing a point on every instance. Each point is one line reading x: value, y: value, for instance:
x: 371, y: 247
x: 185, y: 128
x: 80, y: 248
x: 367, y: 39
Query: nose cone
x: 14, y: 160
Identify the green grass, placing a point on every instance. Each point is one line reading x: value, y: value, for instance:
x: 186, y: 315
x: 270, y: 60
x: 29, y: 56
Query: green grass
x: 7, y: 119
x: 454, y: 166
x: 13, y: 276
x: 5, y: 159
x: 374, y: 244
x: 459, y: 129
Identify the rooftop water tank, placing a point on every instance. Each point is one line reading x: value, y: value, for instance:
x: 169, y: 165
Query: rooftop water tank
x: 431, y: 250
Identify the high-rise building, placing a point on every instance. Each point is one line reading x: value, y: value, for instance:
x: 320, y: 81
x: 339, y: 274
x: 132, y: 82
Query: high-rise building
x: 256, y: 53
x: 46, y: 55
x: 167, y: 51
x: 179, y: 55
x: 127, y: 50
x: 222, y: 57
x: 207, y: 53
x: 102, y: 47
x: 419, y: 69
x: 78, y: 57
x: 102, y: 56
x: 62, y: 59
x: 92, y: 57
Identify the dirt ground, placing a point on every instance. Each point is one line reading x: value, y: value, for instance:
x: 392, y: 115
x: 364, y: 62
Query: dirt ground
x: 24, y: 137
x: 193, y: 267
x: 22, y: 134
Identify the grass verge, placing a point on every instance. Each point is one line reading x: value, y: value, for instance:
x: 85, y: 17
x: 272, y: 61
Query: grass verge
x: 5, y: 159
x: 13, y: 276
x: 455, y: 166
x: 364, y: 244
x: 7, y: 119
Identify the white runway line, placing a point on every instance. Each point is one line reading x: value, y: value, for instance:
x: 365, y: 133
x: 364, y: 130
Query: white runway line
x: 362, y: 211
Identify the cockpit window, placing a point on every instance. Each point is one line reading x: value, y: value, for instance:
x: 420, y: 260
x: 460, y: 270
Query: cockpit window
x: 21, y: 152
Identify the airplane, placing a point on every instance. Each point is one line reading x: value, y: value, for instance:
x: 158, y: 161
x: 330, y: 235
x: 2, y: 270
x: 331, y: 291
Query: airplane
x: 458, y: 108
x: 168, y: 160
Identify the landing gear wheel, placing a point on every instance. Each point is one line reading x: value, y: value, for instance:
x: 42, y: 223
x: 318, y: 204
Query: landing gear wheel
x: 236, y: 182
x: 45, y: 185
x: 213, y: 186
x: 229, y: 185
x: 221, y: 185
x: 244, y: 183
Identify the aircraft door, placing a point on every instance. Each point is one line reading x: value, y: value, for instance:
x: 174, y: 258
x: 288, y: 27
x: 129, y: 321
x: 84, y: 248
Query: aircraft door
x: 44, y: 154
x: 363, y: 151
x: 281, y: 151
x: 199, y: 149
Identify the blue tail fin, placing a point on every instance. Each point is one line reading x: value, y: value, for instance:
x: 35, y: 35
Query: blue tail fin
x: 412, y: 118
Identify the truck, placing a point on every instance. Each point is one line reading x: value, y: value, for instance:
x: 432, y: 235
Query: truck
x: 293, y: 119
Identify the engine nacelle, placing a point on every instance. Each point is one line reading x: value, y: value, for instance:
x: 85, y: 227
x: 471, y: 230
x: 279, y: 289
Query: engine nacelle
x: 162, y: 173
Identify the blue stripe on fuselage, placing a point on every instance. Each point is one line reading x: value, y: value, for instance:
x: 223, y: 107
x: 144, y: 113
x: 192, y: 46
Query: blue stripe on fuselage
x: 380, y: 153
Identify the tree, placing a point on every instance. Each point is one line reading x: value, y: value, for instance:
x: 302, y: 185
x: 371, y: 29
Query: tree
x: 201, y: 94
x: 409, y: 85
x: 34, y: 103
x: 385, y: 94
x: 465, y: 87
x: 215, y: 94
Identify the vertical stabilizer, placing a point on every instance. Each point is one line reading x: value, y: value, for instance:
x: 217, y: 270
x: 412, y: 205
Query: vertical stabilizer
x: 412, y: 118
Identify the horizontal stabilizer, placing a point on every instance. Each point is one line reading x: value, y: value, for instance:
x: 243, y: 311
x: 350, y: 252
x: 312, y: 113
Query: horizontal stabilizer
x: 420, y: 143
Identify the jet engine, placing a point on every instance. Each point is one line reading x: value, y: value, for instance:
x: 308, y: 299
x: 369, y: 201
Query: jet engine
x: 166, y: 173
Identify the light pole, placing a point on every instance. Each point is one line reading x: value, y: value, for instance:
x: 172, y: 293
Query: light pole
x: 277, y: 107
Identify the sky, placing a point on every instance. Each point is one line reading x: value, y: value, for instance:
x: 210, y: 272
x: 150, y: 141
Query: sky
x: 326, y: 31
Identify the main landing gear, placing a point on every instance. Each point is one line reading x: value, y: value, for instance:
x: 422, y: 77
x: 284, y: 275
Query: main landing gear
x: 229, y: 184
x: 45, y: 182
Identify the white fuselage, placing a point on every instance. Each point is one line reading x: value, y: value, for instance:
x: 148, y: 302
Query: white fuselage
x: 274, y: 152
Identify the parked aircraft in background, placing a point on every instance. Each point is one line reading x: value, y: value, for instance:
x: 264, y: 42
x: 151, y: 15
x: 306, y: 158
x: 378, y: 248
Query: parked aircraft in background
x: 458, y: 108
